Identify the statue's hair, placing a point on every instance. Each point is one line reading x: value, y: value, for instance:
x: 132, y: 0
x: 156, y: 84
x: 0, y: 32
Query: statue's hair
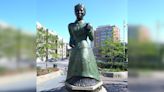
x: 80, y: 5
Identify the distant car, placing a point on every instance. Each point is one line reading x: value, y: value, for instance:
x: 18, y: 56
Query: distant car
x: 52, y: 60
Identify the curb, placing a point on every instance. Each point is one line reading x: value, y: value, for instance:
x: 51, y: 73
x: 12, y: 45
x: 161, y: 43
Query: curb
x: 116, y: 74
x: 49, y: 76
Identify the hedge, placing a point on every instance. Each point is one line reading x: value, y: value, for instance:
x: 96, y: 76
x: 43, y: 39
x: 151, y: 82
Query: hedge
x: 115, y: 65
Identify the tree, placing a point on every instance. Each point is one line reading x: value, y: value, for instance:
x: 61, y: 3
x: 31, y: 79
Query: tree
x: 17, y: 45
x: 46, y: 44
x: 112, y: 51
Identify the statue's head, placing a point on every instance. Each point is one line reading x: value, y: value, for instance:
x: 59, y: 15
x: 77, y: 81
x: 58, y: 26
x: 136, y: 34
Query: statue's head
x: 80, y: 11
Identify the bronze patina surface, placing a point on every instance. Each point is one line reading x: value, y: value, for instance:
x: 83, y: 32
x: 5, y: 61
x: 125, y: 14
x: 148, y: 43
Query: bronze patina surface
x: 82, y: 61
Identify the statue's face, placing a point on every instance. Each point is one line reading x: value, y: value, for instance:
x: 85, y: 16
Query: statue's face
x: 79, y: 12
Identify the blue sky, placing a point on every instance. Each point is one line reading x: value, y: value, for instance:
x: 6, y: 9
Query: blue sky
x: 19, y: 13
x: 57, y: 14
x: 148, y: 13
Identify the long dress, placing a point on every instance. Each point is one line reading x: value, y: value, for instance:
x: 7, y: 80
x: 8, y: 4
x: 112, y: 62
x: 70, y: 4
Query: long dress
x: 82, y: 61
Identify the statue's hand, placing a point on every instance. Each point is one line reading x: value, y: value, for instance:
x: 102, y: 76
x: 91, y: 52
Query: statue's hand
x: 88, y: 27
x: 73, y: 46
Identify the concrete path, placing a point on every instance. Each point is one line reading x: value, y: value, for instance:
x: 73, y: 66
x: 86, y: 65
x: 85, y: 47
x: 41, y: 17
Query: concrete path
x: 57, y: 84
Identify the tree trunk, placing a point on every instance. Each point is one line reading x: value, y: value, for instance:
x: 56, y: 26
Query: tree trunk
x: 46, y: 47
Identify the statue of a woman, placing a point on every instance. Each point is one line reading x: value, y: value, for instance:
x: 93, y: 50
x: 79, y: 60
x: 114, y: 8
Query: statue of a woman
x: 82, y: 69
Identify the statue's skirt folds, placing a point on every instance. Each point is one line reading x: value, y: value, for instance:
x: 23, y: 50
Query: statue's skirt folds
x: 82, y: 63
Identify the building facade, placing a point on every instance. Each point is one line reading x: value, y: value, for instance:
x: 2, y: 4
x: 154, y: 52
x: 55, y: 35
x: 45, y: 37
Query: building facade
x: 62, y: 48
x: 138, y: 33
x: 103, y: 33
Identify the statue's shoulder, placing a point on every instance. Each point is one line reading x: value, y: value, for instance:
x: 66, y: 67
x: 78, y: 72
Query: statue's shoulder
x: 88, y: 26
x: 70, y: 25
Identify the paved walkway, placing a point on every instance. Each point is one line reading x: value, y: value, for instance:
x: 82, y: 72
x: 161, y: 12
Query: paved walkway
x: 111, y: 84
x: 57, y: 84
x: 115, y: 84
x: 23, y: 82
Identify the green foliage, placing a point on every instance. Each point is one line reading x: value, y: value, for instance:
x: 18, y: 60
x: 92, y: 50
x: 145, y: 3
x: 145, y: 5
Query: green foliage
x: 117, y: 65
x: 15, y: 42
x: 111, y: 70
x: 55, y: 55
x: 113, y: 51
x: 145, y: 55
x: 44, y: 41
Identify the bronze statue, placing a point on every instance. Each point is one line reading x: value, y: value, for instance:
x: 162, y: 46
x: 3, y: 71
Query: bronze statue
x: 82, y: 69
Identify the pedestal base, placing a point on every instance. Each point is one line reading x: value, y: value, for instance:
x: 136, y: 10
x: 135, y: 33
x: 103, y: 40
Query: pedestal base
x: 96, y: 88
x: 103, y: 90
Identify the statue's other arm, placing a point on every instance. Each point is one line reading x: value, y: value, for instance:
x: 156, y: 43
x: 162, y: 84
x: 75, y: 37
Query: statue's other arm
x: 72, y: 41
x: 90, y: 31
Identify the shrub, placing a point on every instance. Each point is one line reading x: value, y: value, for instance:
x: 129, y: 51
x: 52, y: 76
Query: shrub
x: 115, y: 65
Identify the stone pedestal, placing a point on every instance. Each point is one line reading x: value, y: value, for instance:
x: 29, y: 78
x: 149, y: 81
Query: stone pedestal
x: 103, y: 89
x: 96, y: 88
